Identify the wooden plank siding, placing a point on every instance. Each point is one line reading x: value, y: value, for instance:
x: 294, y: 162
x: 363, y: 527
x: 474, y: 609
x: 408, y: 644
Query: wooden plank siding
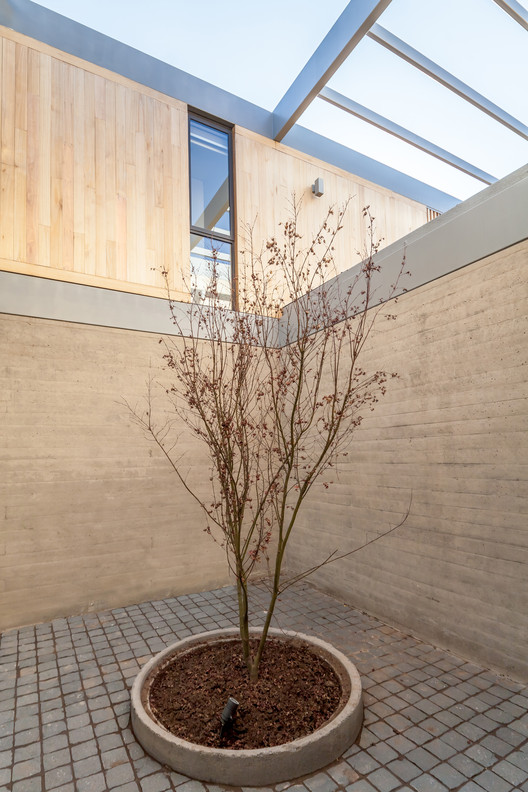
x: 269, y: 175
x: 93, y: 174
x: 94, y: 185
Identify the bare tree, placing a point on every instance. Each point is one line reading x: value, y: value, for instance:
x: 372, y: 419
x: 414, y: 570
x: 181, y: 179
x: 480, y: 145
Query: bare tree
x: 273, y: 391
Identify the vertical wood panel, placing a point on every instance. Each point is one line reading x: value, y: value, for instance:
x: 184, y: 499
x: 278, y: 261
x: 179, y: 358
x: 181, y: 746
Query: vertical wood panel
x: 33, y: 150
x: 67, y: 168
x: 56, y: 164
x: 121, y: 183
x: 44, y: 160
x: 167, y: 197
x: 20, y: 191
x: 140, y: 189
x: 180, y: 158
x: 79, y: 188
x: 8, y: 103
x: 21, y: 86
x: 269, y: 174
x: 132, y: 223
x: 87, y: 179
x: 2, y: 99
x: 20, y: 187
x: 89, y: 176
x: 100, y: 176
x: 7, y: 199
x: 148, y: 174
x: 94, y: 177
x: 7, y: 173
x: 110, y: 179
x: 130, y: 156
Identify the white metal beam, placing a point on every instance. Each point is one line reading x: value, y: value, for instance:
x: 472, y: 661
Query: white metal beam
x: 379, y: 121
x: 344, y: 36
x: 432, y: 69
x: 515, y: 10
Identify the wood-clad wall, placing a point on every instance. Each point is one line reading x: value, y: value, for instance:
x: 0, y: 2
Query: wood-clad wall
x: 92, y: 168
x: 269, y: 175
x: 94, y: 178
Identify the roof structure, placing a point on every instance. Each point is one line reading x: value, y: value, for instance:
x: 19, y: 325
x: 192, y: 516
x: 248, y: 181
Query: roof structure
x: 426, y: 99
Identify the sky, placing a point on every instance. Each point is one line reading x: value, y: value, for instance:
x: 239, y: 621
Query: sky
x: 256, y: 49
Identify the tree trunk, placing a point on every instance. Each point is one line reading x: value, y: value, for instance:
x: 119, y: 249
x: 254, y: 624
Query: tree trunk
x: 243, y: 618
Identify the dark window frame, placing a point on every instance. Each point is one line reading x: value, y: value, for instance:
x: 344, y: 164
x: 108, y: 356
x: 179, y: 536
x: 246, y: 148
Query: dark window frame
x: 230, y: 238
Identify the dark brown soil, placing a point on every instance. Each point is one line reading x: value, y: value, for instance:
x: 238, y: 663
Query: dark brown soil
x: 296, y: 692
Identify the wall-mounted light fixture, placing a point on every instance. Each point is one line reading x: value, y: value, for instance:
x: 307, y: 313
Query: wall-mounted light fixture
x: 318, y: 187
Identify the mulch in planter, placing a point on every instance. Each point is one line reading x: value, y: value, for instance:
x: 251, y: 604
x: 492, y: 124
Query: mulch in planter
x: 296, y: 693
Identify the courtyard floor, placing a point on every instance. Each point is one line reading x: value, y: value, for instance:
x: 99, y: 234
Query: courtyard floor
x: 433, y: 721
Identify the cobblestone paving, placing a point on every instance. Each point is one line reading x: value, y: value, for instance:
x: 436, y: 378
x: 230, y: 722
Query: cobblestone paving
x: 433, y: 722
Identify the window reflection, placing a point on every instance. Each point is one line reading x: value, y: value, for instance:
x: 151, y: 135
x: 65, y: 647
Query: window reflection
x: 209, y: 152
x: 211, y: 224
x: 210, y: 271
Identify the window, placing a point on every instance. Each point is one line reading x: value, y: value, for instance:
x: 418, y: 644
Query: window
x: 212, y: 232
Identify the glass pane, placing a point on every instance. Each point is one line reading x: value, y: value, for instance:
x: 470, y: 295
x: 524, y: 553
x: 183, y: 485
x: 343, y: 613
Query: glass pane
x: 478, y: 42
x: 209, y: 151
x: 211, y: 280
x: 382, y: 147
x: 230, y: 34
x: 380, y: 80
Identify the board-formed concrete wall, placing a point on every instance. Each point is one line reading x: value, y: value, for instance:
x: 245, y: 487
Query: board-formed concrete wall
x: 452, y: 432
x: 91, y: 514
x: 93, y: 517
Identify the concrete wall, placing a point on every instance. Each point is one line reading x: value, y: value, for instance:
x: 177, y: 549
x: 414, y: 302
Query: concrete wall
x: 93, y: 517
x: 91, y: 514
x: 451, y: 431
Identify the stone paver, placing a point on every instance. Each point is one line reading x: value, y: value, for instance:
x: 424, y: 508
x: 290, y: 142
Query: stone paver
x: 433, y: 721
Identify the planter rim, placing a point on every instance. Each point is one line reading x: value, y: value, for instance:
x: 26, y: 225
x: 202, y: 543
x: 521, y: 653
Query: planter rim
x: 164, y: 746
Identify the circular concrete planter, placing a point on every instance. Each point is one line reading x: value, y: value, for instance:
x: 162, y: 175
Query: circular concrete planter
x: 262, y: 766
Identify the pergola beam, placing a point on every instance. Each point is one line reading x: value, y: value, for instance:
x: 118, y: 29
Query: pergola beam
x: 515, y: 10
x: 432, y: 69
x: 344, y: 36
x: 379, y: 121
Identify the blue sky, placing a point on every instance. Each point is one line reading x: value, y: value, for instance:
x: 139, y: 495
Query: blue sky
x: 255, y: 50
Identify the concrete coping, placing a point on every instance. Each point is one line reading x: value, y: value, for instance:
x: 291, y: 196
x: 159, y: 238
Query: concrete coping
x: 490, y: 221
x: 258, y: 767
